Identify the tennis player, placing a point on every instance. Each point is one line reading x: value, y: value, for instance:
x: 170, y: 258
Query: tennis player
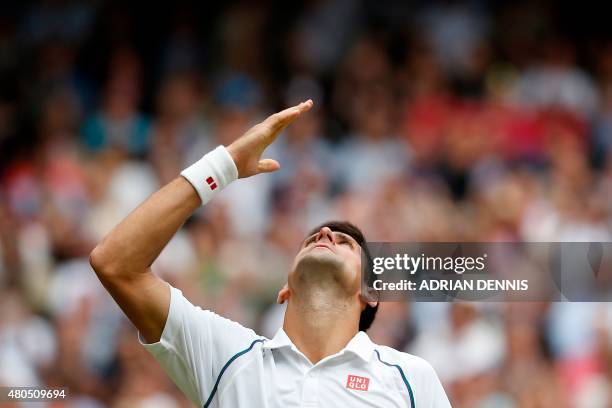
x: 321, y: 357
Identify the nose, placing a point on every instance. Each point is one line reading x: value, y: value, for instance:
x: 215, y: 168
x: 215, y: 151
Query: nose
x: 326, y: 233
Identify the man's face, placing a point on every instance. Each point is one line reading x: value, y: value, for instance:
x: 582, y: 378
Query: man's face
x: 328, y: 257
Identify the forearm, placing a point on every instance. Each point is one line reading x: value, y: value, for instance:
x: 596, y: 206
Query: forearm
x: 132, y: 246
x: 122, y: 260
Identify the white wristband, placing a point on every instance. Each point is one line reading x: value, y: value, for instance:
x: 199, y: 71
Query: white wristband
x: 211, y: 173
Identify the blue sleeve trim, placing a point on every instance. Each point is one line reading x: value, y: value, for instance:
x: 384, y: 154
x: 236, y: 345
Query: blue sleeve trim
x: 230, y: 361
x: 412, y: 404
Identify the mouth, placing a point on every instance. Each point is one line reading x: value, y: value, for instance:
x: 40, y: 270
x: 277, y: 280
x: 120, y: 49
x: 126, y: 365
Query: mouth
x: 322, y: 246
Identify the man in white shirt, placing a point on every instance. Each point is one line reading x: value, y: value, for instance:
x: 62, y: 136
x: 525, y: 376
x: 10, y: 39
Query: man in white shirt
x: 321, y: 357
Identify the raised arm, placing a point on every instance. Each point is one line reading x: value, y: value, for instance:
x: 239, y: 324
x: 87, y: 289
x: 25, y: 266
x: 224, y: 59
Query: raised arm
x: 123, y: 259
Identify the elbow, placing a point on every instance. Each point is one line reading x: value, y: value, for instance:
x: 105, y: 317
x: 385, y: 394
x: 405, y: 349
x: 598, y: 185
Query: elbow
x: 101, y: 262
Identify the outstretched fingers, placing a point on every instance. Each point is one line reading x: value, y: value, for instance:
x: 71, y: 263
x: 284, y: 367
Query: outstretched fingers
x: 280, y: 120
x: 273, y: 125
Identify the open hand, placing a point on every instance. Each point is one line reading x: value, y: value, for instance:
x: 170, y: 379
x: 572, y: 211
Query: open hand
x: 247, y: 150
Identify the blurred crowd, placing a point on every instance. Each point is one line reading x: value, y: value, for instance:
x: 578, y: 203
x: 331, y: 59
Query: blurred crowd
x: 433, y: 121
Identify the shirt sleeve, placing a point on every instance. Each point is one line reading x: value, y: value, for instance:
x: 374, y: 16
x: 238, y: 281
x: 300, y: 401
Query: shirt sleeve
x: 430, y: 393
x: 195, y: 345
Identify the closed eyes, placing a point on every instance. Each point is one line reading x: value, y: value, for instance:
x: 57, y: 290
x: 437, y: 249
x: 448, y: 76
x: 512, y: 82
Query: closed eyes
x: 339, y: 237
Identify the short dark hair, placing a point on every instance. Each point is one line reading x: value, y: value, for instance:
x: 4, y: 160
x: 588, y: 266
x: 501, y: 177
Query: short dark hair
x: 369, y: 313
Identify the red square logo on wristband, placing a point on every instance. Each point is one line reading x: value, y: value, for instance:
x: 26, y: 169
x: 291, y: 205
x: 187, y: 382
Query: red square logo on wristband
x: 211, y: 183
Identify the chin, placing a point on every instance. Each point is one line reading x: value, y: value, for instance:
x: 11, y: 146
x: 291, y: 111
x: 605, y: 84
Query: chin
x: 320, y: 266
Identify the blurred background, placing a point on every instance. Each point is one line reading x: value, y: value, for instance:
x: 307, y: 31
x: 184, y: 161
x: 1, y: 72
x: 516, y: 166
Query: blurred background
x: 433, y: 121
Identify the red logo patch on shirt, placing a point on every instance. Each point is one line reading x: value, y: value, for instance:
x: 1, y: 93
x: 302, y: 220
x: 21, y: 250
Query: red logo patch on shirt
x: 355, y: 382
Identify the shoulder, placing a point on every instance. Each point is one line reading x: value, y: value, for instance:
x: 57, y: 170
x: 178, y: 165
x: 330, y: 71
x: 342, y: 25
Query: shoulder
x: 413, y: 365
x: 424, y: 386
x: 408, y: 360
x: 190, y: 323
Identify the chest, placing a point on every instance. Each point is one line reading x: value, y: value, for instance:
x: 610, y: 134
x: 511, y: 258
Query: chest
x: 273, y: 378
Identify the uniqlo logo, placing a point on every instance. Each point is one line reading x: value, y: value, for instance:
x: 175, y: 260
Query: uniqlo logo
x: 211, y: 183
x: 355, y: 382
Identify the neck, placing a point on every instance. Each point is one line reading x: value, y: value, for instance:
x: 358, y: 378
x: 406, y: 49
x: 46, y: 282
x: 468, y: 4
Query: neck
x: 321, y: 323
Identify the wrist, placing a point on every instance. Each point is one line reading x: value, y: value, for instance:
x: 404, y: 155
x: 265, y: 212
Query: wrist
x: 211, y: 173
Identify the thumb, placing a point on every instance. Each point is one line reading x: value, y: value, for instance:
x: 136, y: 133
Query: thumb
x: 267, y: 166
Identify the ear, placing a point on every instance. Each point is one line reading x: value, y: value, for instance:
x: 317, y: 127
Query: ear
x: 283, y: 295
x: 370, y: 297
x: 372, y: 303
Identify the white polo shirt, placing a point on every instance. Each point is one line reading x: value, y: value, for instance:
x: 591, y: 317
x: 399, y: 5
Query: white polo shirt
x: 219, y: 363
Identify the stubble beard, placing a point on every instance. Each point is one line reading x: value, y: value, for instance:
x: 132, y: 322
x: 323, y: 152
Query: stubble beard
x: 318, y: 282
